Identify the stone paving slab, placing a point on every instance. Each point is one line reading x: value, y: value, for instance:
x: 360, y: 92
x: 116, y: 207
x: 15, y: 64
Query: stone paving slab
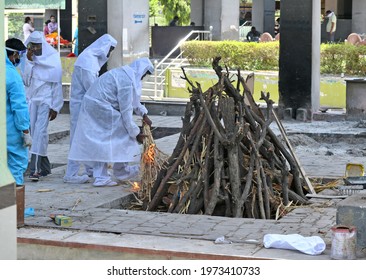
x: 93, y: 224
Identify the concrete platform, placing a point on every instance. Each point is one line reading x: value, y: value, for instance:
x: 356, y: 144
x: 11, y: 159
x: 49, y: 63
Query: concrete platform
x: 101, y: 230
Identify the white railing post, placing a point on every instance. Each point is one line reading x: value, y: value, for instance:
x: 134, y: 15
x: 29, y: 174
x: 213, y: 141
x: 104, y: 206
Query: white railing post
x: 155, y: 78
x: 158, y: 65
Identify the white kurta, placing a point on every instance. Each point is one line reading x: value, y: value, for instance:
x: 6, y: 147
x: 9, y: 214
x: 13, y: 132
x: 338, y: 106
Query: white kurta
x: 106, y: 131
x: 41, y: 97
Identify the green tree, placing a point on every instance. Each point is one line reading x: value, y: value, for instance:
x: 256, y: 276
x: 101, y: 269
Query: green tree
x: 154, y: 8
x: 15, y: 25
x: 180, y: 8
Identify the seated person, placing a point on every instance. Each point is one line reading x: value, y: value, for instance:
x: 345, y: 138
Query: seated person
x: 52, y: 25
x: 253, y: 35
x: 45, y: 28
x: 174, y: 21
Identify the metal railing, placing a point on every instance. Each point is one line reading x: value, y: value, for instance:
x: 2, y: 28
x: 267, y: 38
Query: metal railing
x: 162, y: 66
x: 243, y: 30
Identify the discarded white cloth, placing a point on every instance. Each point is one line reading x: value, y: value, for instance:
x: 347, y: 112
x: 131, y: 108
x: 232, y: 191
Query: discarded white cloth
x: 222, y: 240
x: 312, y: 245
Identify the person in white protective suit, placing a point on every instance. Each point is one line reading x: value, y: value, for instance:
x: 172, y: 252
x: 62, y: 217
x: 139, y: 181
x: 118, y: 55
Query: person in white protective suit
x: 86, y: 71
x: 106, y: 132
x: 42, y: 73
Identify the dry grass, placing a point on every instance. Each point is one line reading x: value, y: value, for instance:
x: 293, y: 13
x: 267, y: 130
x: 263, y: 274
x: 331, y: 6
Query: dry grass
x: 152, y: 161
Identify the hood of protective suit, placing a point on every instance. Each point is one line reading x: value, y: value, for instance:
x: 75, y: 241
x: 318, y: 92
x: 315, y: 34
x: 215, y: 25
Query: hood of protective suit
x: 7, y: 61
x: 135, y: 71
x: 48, y: 65
x: 95, y: 56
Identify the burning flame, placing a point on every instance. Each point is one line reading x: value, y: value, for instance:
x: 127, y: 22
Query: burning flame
x: 135, y: 187
x: 149, y: 155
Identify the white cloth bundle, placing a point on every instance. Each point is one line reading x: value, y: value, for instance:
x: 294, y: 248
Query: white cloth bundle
x: 312, y: 245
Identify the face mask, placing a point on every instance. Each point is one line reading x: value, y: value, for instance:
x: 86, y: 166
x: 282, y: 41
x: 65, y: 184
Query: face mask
x: 16, y: 62
x: 37, y: 52
x: 37, y: 49
x: 52, y: 20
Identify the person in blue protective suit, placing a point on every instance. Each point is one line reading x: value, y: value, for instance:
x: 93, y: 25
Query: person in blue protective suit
x: 17, y: 114
x: 75, y: 41
x: 86, y: 71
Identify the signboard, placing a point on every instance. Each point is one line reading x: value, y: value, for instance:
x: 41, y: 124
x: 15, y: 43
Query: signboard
x: 139, y: 17
x: 35, y: 4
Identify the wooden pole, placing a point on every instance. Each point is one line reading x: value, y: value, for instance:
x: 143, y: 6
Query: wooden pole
x: 302, y: 171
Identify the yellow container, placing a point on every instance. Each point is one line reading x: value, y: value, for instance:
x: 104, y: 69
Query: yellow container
x: 354, y: 170
x: 63, y: 221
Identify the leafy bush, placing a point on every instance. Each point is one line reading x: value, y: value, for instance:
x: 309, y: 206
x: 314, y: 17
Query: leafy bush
x: 334, y: 58
x: 343, y: 58
x: 234, y: 54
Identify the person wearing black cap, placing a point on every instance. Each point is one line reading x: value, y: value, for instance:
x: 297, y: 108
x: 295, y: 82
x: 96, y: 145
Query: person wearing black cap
x: 17, y: 114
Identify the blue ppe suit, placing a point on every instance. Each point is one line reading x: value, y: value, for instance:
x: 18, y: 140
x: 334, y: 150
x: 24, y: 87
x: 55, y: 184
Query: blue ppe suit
x: 17, y: 120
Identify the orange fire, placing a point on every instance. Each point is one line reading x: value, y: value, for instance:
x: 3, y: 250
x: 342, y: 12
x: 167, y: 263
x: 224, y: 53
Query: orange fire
x: 135, y: 187
x: 149, y: 155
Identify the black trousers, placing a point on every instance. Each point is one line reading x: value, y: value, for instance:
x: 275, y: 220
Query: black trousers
x: 39, y: 164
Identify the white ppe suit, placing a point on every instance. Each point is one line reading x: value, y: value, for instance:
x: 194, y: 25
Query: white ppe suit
x: 42, y: 78
x: 106, y: 131
x: 86, y: 71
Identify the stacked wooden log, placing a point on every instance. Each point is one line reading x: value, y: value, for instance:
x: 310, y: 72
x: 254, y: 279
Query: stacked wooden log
x: 227, y: 160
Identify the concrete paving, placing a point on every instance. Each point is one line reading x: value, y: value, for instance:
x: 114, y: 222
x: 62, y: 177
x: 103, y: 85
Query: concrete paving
x: 102, y: 229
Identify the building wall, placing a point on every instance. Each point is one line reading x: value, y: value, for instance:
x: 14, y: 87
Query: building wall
x: 359, y: 16
x: 258, y: 15
x: 223, y: 16
x: 331, y: 5
x: 263, y: 15
x: 213, y: 17
x: 136, y: 26
x: 92, y: 19
x: 197, y: 12
x: 230, y: 19
x: 128, y: 23
x: 115, y: 17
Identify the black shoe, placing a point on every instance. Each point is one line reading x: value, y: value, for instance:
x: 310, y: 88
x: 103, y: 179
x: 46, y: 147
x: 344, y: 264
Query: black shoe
x: 34, y: 177
x: 43, y: 173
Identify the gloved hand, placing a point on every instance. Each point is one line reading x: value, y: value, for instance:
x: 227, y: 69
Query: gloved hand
x: 146, y: 120
x: 27, y: 140
x: 52, y: 115
x: 140, y: 138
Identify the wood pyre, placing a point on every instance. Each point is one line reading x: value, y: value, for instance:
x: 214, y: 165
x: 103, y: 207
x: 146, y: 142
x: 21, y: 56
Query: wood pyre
x: 227, y: 160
